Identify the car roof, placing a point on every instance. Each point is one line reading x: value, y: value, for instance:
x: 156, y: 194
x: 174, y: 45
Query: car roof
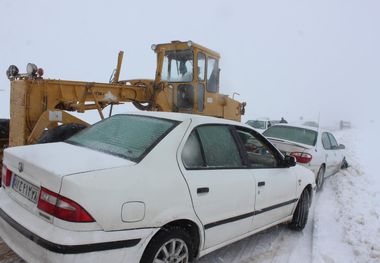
x: 186, y: 116
x: 298, y: 126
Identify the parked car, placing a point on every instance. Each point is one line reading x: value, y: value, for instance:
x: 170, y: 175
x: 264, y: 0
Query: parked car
x: 316, y: 149
x: 261, y: 125
x: 148, y: 187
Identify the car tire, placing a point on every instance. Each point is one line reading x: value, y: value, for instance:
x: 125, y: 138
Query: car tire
x: 301, y: 213
x: 60, y: 133
x: 344, y: 164
x: 165, y: 240
x: 319, y: 181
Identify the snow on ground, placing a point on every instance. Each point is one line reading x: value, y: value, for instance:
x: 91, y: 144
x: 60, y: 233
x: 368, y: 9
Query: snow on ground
x: 347, y: 215
x: 344, y: 221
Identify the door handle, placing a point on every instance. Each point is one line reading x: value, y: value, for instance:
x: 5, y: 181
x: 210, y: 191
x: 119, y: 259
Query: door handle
x: 203, y: 190
x: 261, y: 184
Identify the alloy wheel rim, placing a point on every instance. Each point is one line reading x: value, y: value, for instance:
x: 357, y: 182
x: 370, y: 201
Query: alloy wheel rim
x: 173, y: 251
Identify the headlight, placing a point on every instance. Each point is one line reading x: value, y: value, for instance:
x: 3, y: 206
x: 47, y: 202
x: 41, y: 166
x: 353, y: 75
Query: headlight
x: 31, y: 69
x: 189, y: 43
x: 12, y: 72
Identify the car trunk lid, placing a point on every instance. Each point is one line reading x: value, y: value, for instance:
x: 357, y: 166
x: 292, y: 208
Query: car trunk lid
x: 286, y: 147
x: 44, y: 165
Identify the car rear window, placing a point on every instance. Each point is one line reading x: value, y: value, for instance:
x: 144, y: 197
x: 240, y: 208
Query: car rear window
x: 294, y: 134
x: 127, y: 136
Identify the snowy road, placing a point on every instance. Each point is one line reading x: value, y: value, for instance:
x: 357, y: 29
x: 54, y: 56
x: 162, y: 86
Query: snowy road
x: 343, y: 226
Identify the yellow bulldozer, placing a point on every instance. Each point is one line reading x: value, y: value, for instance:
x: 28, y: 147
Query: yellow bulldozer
x: 186, y: 80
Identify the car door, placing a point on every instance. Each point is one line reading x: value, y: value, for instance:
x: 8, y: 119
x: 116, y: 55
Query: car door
x: 329, y: 154
x: 335, y: 152
x: 276, y: 186
x: 221, y: 187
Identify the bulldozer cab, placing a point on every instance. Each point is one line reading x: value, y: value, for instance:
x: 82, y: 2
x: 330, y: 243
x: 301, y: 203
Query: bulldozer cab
x: 192, y: 72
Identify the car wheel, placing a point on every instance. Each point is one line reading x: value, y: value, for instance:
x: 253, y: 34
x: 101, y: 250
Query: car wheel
x: 172, y: 245
x: 344, y: 164
x: 320, y: 178
x: 61, y: 133
x: 301, y: 213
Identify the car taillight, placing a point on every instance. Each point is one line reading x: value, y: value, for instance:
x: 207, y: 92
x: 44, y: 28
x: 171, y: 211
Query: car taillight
x: 6, y: 176
x: 302, y: 157
x: 62, y: 207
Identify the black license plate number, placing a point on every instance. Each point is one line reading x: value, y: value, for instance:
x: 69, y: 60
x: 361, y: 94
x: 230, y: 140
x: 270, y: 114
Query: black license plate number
x: 25, y: 188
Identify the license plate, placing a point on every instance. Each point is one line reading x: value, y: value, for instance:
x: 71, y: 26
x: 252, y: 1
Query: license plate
x: 25, y: 188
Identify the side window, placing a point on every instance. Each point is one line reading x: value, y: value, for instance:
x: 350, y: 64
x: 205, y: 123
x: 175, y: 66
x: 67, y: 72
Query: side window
x: 334, y: 144
x: 212, y: 75
x: 201, y: 66
x: 192, y: 153
x: 325, y: 141
x: 219, y: 146
x: 258, y: 154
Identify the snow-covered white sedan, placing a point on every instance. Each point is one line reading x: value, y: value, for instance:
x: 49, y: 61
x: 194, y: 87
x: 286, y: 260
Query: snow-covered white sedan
x: 148, y: 187
x: 315, y: 148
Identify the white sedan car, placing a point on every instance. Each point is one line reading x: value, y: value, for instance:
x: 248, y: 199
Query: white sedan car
x: 149, y: 188
x: 315, y: 148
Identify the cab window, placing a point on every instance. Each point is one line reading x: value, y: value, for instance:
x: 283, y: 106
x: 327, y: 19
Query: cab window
x: 185, y: 96
x: 201, y: 66
x: 177, y: 66
x: 212, y: 75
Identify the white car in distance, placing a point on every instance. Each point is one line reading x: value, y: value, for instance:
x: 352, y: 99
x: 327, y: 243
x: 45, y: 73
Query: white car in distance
x: 148, y: 187
x: 315, y: 148
x: 261, y: 124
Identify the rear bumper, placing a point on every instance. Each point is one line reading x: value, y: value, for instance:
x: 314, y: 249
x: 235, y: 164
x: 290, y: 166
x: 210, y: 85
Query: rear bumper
x: 36, y: 240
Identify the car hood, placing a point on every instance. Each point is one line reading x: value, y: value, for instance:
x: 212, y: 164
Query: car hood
x: 61, y: 158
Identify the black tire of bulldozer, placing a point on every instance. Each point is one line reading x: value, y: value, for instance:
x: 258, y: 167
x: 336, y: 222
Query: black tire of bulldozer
x: 61, y: 133
x: 4, y: 128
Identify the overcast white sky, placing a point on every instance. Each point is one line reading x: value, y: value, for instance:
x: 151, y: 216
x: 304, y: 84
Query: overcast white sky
x: 286, y: 58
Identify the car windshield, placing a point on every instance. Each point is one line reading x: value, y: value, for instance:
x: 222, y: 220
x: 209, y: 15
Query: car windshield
x: 178, y: 66
x: 294, y: 134
x: 257, y: 124
x: 126, y: 136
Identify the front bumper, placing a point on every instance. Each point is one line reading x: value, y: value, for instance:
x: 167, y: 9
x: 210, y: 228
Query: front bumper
x: 36, y: 240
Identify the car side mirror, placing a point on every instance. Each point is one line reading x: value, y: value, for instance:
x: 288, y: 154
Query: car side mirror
x: 341, y: 146
x: 290, y: 161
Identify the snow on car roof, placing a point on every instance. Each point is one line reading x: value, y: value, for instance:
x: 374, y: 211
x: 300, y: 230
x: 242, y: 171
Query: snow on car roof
x: 185, y: 116
x: 299, y: 126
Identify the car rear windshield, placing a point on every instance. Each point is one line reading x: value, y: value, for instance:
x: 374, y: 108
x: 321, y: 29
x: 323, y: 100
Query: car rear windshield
x: 294, y: 134
x: 127, y: 136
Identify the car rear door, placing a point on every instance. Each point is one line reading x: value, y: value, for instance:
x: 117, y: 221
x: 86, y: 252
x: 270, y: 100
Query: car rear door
x: 276, y: 186
x: 329, y: 154
x: 221, y: 187
x: 336, y: 153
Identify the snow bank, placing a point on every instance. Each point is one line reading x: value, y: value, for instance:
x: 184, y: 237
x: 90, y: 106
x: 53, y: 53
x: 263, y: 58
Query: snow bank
x: 346, y: 220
